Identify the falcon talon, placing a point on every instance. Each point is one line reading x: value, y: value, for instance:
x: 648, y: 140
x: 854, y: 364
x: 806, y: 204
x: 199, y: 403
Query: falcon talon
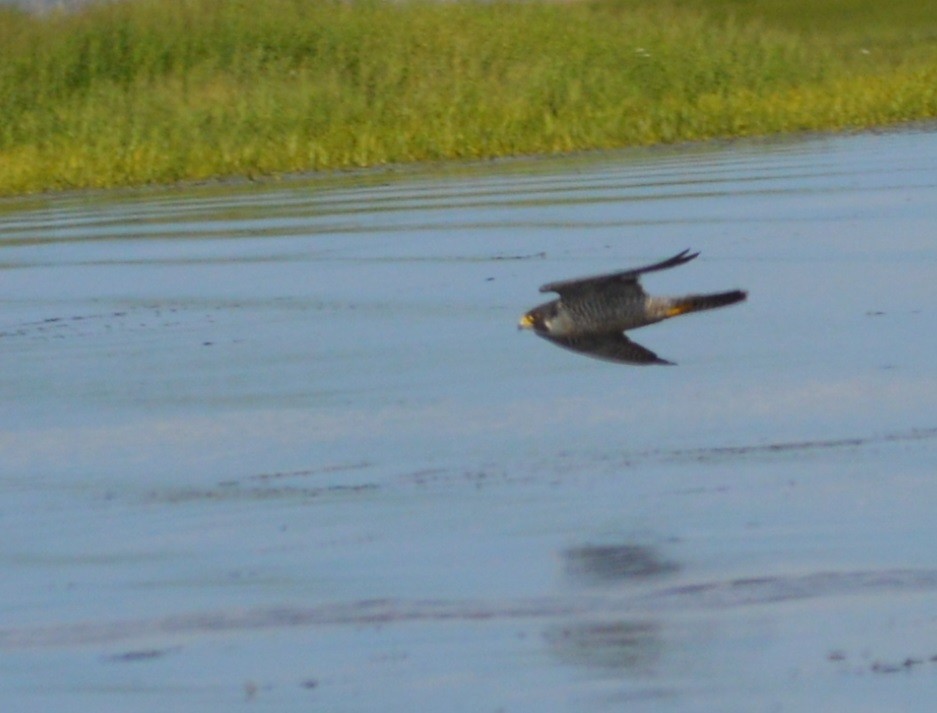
x: 592, y: 314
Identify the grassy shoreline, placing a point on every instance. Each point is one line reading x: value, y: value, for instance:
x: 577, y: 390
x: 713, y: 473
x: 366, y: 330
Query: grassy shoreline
x: 160, y: 91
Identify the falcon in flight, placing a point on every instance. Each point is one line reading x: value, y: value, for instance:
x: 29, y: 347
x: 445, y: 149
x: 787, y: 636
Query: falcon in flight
x: 592, y: 313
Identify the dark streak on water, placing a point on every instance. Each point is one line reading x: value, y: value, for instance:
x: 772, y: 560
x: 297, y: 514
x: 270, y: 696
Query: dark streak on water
x: 731, y: 593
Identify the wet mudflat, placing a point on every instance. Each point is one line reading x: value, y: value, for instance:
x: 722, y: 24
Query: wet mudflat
x: 281, y: 447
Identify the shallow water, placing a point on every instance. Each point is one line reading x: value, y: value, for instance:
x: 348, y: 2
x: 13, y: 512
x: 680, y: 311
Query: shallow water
x: 282, y: 445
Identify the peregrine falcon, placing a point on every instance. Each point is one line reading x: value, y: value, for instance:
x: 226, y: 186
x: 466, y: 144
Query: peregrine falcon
x: 592, y: 313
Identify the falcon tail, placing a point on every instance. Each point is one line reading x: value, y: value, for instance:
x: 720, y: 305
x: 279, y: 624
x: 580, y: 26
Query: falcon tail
x: 697, y: 303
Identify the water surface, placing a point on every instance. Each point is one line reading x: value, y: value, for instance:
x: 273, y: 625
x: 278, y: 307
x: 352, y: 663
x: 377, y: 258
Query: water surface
x: 282, y: 446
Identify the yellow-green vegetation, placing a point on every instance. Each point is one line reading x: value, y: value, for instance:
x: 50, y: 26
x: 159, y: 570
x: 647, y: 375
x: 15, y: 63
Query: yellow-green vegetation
x: 155, y: 91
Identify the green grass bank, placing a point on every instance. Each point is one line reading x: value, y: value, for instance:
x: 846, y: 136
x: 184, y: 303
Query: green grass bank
x: 157, y: 91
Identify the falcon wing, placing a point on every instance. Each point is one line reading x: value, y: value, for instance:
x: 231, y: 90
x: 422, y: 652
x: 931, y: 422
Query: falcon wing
x: 613, y: 346
x: 626, y: 279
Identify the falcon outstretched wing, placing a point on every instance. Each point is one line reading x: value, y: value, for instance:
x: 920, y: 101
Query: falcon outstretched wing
x: 627, y: 279
x: 613, y: 346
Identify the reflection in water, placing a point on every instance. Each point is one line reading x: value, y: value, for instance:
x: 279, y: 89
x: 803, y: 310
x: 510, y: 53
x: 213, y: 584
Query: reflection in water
x: 632, y: 646
x: 609, y: 563
x: 626, y: 645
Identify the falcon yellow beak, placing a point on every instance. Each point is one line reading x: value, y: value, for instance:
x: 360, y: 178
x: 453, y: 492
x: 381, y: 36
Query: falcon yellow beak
x: 526, y: 322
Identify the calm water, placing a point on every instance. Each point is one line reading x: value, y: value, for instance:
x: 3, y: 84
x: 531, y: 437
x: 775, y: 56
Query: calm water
x: 281, y: 447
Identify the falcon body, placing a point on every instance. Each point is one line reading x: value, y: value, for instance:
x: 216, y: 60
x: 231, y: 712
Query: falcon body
x: 592, y: 313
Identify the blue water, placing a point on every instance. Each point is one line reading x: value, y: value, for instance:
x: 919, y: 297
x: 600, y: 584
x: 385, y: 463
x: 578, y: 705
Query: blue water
x: 283, y: 445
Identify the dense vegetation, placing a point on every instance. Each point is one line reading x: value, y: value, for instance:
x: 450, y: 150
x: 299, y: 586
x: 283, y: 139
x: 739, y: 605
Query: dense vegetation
x: 147, y: 91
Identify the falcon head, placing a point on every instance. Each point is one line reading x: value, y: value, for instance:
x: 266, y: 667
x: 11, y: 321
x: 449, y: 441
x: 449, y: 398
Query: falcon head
x: 540, y: 318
